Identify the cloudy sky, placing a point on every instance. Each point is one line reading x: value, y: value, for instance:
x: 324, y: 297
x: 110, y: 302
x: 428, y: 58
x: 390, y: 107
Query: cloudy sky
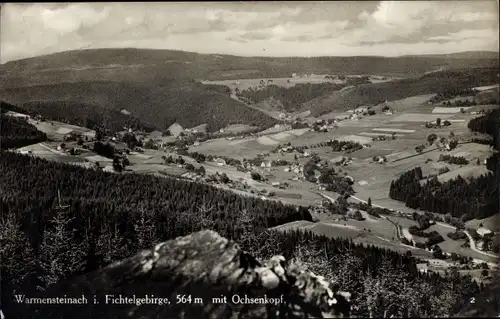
x: 309, y: 28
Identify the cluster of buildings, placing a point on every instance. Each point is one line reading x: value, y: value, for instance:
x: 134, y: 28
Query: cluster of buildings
x: 295, y: 168
x: 342, y: 161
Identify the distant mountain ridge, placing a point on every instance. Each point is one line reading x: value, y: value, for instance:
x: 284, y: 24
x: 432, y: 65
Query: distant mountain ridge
x: 160, y: 86
x: 463, y: 55
x: 272, y: 66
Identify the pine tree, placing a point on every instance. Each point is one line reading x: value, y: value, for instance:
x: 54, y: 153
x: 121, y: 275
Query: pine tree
x: 61, y: 254
x: 16, y: 252
x: 110, y: 246
x: 145, y: 230
x: 369, y: 201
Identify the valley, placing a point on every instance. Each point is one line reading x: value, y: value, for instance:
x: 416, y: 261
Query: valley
x: 392, y: 135
x: 272, y: 156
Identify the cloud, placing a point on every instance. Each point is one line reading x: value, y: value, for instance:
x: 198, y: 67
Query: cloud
x: 245, y: 28
x: 393, y: 20
x: 465, y: 35
x: 257, y: 35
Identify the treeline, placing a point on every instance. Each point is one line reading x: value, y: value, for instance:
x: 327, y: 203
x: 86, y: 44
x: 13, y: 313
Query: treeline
x: 104, y: 149
x: 488, y: 124
x: 158, y: 102
x: 477, y: 198
x: 450, y: 93
x: 109, y: 217
x: 16, y: 132
x: 458, y: 160
x: 112, y: 216
x: 376, y: 93
x: 336, y: 145
x: 5, y: 107
x: 85, y: 115
x: 291, y: 98
x: 383, y: 283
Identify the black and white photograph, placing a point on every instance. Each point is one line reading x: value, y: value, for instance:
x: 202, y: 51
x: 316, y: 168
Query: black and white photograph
x: 250, y: 159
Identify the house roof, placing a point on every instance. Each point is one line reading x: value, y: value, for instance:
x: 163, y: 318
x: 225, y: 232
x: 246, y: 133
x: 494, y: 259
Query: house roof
x: 483, y: 231
x: 176, y: 129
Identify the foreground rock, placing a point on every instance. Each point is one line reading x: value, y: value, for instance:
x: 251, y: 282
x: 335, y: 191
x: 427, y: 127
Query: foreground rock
x: 193, y: 276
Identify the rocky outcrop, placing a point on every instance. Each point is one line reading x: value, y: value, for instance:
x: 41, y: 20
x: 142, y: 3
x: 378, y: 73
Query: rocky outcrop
x: 198, y: 276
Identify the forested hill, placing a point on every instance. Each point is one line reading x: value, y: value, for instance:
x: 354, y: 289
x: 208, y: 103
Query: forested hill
x: 217, y: 66
x: 152, y: 103
x: 375, y: 93
x: 112, y: 216
x: 16, y: 132
x: 160, y: 87
x: 476, y: 198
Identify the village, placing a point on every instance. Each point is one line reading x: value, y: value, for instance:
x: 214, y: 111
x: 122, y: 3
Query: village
x: 302, y: 160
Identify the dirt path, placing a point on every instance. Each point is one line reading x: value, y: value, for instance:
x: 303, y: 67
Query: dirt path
x: 472, y: 244
x: 52, y: 150
x: 471, y: 240
x: 234, y: 97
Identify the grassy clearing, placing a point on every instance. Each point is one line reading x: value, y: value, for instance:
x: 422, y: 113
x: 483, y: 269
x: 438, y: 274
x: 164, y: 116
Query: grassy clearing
x: 379, y: 134
x: 419, y: 117
x: 410, y: 102
x: 486, y: 87
x: 492, y: 223
x: 449, y: 110
x: 396, y: 130
x: 265, y: 140
x: 239, y: 128
x: 286, y: 82
x: 465, y: 172
x: 356, y: 138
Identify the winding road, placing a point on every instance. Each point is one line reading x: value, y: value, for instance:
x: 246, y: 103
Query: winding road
x: 472, y: 243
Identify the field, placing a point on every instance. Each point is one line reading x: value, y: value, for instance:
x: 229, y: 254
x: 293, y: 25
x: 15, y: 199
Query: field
x: 486, y: 87
x: 244, y: 84
x: 449, y: 110
x: 418, y: 117
x: 492, y: 223
x: 371, y: 179
x: 410, y: 102
x: 56, y: 130
x: 286, y: 82
x: 235, y: 128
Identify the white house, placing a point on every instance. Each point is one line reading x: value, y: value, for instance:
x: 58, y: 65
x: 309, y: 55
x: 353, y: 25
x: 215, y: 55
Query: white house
x: 287, y: 169
x: 480, y: 245
x: 483, y: 231
x: 423, y: 268
x: 307, y: 154
x: 349, y: 178
x: 265, y: 164
x: 175, y: 129
x: 108, y: 168
x: 220, y: 161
